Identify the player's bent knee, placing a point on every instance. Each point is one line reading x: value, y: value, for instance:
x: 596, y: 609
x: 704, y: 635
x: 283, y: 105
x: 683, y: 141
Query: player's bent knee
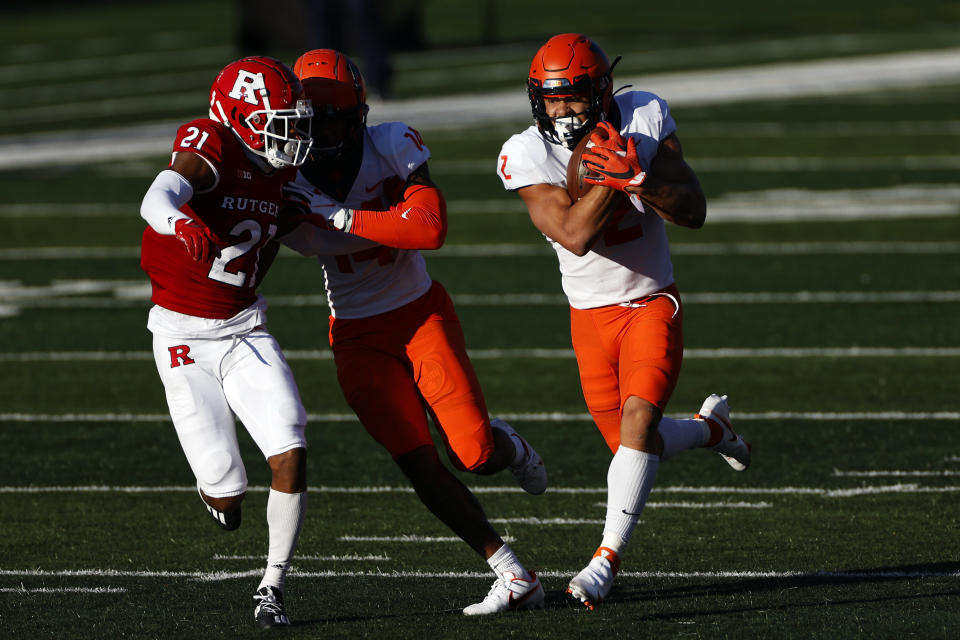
x: 221, y: 474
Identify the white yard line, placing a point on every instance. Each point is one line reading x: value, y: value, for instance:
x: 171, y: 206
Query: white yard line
x: 17, y: 298
x: 538, y: 250
x: 679, y: 489
x: 49, y: 590
x: 553, y: 416
x: 700, y: 505
x: 531, y: 354
x: 837, y: 473
x: 219, y: 576
x: 409, y: 539
x: 761, y: 82
x: 352, y: 557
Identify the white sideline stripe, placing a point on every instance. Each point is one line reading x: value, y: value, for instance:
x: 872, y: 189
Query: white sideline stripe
x: 894, y: 474
x: 555, y: 416
x: 531, y: 354
x: 46, y: 590
x: 536, y: 250
x: 219, y: 576
x: 128, y: 297
x: 343, y: 558
x: 756, y: 82
x: 815, y: 491
x: 409, y: 538
x: 546, y: 522
x: 700, y: 505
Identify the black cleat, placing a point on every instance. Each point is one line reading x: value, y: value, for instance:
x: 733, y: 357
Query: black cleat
x: 227, y: 520
x: 268, y: 608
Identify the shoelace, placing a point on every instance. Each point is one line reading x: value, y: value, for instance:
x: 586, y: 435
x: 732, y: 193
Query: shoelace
x: 499, y: 583
x: 269, y: 603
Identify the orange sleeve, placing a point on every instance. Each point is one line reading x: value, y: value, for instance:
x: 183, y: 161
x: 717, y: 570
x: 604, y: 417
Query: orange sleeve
x: 418, y: 221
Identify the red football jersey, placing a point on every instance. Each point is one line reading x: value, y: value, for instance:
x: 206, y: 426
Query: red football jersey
x: 241, y: 210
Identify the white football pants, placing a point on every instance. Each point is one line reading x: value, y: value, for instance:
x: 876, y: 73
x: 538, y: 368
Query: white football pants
x: 207, y: 381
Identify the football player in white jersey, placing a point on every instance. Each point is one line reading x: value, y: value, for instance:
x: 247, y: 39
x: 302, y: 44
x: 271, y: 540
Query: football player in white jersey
x: 396, y: 339
x: 212, y: 217
x: 625, y: 309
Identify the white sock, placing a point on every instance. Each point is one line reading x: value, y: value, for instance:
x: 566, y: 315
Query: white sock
x: 285, y: 513
x: 629, y: 481
x: 506, y: 561
x: 680, y: 435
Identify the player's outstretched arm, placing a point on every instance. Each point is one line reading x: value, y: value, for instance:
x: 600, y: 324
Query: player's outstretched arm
x: 417, y: 220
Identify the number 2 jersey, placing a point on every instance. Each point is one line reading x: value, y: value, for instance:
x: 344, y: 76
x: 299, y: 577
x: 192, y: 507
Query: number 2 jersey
x: 241, y: 210
x: 632, y: 258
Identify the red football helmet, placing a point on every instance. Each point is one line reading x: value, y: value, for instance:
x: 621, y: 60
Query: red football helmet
x: 570, y: 65
x: 334, y: 85
x: 263, y: 102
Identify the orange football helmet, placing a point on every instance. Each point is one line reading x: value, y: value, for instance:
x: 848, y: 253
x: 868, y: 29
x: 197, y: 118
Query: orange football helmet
x: 335, y: 86
x: 568, y: 65
x: 263, y: 102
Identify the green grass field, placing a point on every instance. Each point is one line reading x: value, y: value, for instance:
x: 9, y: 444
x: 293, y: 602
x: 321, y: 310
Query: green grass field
x: 822, y: 295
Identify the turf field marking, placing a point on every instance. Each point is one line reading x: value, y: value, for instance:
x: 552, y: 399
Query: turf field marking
x: 219, y: 576
x: 15, y: 297
x: 769, y: 81
x: 553, y: 416
x: 408, y: 539
x: 893, y: 474
x: 531, y: 354
x: 343, y: 558
x: 700, y: 505
x: 546, y: 522
x: 45, y: 590
x: 817, y: 491
x: 522, y: 250
x: 773, y: 129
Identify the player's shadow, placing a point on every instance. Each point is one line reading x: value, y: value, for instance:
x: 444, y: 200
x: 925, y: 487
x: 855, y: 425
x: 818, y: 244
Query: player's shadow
x: 633, y: 591
x: 627, y: 592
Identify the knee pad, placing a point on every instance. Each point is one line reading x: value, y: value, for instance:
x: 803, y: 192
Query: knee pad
x: 221, y: 474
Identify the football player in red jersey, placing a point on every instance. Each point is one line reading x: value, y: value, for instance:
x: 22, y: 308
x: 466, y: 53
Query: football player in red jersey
x: 396, y: 339
x: 626, y: 315
x: 212, y: 218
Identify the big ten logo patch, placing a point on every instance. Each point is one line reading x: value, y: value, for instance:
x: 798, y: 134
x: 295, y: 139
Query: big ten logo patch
x: 180, y: 354
x: 432, y: 380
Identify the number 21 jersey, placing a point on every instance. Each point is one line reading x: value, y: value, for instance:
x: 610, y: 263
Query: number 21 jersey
x: 241, y: 209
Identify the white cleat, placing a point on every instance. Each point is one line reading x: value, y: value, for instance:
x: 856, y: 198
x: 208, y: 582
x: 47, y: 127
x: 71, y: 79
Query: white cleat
x: 530, y: 473
x: 509, y: 593
x: 732, y: 447
x: 592, y: 585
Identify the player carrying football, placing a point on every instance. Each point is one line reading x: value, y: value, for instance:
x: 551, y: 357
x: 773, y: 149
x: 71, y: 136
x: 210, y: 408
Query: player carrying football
x: 396, y: 340
x: 212, y: 218
x: 625, y: 309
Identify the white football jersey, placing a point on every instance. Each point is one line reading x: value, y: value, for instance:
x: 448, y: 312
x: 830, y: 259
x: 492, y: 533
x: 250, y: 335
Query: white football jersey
x: 632, y: 258
x: 363, y: 278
